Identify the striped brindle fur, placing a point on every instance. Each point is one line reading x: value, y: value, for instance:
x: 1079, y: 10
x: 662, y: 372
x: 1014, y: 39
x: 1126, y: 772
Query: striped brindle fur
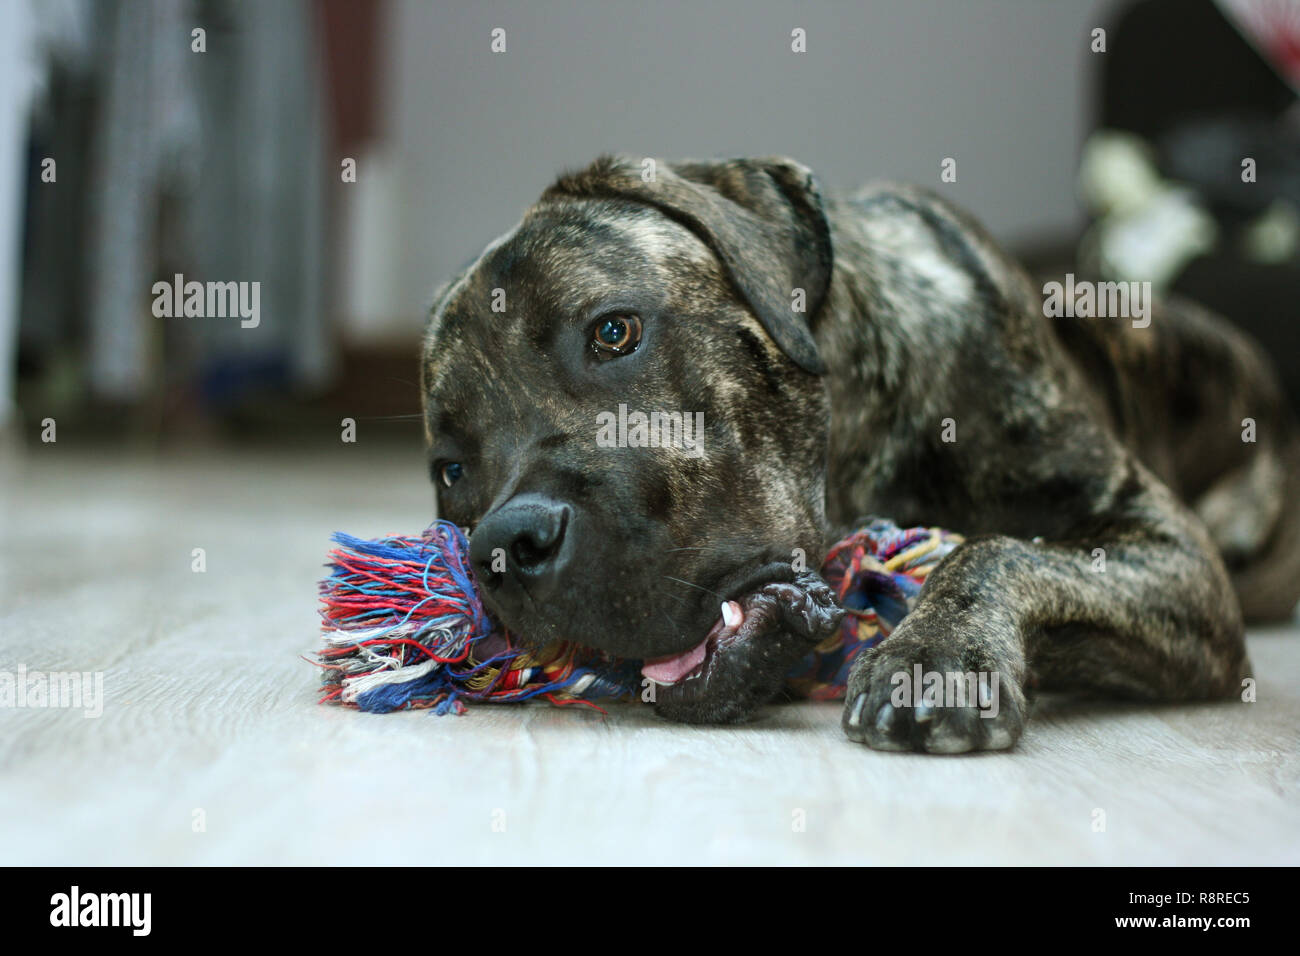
x: 872, y: 354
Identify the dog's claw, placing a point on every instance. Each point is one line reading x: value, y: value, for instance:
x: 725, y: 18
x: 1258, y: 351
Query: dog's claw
x: 853, y: 720
x: 993, y: 721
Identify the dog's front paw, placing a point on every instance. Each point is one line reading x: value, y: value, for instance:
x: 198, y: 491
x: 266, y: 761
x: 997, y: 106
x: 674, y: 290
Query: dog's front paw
x: 930, y: 687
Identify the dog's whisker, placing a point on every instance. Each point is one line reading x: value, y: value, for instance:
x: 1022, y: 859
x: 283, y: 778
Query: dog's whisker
x: 669, y: 594
x: 403, y: 381
x: 691, y: 585
x: 671, y: 623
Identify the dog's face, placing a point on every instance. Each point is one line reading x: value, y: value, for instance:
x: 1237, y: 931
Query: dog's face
x: 687, y: 297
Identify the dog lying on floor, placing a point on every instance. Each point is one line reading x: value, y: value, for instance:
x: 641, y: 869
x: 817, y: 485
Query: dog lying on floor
x: 1126, y: 492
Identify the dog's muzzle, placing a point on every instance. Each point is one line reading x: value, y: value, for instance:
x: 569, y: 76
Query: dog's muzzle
x: 521, y: 550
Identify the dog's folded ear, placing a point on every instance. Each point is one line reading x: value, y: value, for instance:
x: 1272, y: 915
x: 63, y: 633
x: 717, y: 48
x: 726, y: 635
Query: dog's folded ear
x: 763, y: 218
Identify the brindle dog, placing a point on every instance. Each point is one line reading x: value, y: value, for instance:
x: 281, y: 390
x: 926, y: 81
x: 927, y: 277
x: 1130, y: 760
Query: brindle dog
x: 876, y: 354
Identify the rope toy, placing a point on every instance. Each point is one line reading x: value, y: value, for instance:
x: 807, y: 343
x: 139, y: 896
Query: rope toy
x: 404, y: 628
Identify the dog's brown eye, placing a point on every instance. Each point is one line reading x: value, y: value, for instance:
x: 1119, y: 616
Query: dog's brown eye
x: 617, y: 335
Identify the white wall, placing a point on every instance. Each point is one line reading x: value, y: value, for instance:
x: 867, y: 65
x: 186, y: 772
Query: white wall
x: 885, y: 90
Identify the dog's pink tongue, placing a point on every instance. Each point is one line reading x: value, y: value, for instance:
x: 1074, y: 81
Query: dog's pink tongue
x: 669, y: 670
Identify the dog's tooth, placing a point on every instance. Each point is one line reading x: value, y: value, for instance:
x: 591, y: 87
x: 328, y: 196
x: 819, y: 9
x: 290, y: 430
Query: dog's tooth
x: 732, y: 615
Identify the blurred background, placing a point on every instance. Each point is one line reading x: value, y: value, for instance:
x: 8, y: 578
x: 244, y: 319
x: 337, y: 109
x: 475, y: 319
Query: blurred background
x: 212, y: 138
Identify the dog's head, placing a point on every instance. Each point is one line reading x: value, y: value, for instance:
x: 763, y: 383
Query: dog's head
x: 624, y: 404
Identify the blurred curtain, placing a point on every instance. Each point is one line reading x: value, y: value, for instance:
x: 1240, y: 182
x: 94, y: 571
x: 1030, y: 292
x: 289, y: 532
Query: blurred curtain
x: 209, y: 164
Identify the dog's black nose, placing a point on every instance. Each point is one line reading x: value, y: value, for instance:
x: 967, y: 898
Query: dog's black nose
x: 522, y: 542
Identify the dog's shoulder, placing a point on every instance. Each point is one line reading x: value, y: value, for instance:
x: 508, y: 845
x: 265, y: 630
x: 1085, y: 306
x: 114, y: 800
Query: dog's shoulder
x: 916, y: 245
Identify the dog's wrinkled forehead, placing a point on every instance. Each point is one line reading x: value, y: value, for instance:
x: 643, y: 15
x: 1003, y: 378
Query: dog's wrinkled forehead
x: 567, y: 261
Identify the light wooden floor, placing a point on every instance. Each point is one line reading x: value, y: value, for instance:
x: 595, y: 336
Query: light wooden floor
x: 208, y: 708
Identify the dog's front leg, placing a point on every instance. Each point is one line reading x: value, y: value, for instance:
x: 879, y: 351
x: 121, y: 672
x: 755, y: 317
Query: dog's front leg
x: 1135, y: 604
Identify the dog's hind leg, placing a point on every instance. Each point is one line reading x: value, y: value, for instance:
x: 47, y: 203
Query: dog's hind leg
x: 1197, y: 400
x: 1253, y: 515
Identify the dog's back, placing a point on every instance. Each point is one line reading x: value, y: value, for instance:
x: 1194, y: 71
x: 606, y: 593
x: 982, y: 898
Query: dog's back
x: 1188, y: 394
